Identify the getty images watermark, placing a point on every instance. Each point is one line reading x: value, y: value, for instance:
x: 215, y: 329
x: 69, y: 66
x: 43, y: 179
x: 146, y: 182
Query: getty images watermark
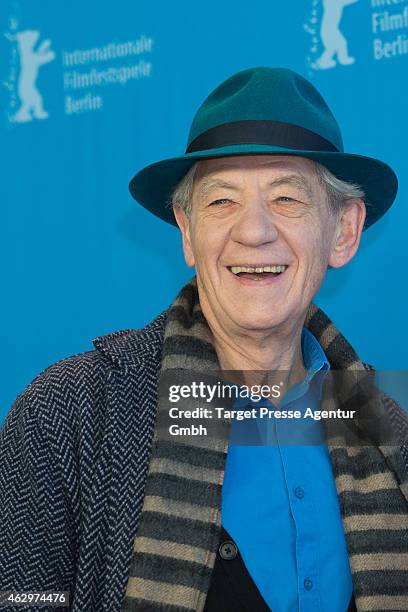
x: 229, y: 406
x: 254, y: 394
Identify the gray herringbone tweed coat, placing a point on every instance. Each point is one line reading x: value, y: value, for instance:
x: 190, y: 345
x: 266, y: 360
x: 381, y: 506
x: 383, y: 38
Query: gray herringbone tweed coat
x: 74, y: 454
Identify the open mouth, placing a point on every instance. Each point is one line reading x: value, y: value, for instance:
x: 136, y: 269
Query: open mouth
x: 258, y: 273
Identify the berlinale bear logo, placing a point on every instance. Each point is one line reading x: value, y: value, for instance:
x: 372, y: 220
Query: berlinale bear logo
x: 31, y: 102
x: 335, y: 45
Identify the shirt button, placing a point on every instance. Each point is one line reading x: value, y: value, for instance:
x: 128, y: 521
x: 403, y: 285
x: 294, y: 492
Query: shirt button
x: 308, y: 584
x: 299, y: 492
x: 228, y: 550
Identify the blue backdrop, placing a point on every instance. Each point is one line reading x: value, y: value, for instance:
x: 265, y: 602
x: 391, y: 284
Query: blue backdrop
x: 93, y: 91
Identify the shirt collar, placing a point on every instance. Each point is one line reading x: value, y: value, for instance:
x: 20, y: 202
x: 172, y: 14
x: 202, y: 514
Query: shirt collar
x: 315, y: 361
x: 314, y: 356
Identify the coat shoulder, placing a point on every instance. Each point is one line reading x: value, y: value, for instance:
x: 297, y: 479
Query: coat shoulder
x: 132, y: 346
x: 76, y: 385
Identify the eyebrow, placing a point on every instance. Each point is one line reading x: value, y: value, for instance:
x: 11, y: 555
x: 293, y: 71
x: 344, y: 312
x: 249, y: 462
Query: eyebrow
x: 208, y: 184
x: 298, y: 180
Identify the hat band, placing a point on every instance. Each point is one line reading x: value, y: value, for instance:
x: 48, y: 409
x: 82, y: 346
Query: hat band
x: 276, y: 133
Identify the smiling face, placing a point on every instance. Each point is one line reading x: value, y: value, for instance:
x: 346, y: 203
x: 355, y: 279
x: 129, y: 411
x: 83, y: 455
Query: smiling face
x: 261, y: 236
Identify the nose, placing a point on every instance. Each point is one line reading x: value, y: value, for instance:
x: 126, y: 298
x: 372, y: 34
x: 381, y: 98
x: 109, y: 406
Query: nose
x: 255, y: 223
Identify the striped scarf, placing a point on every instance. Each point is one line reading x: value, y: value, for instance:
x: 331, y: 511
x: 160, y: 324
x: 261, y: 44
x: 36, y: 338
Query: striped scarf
x: 178, y: 534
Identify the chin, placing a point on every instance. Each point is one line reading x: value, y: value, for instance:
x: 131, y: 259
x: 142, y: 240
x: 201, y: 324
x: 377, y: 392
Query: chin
x: 260, y: 323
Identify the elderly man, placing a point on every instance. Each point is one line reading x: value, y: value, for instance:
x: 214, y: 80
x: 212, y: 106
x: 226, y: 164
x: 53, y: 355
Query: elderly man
x: 97, y: 502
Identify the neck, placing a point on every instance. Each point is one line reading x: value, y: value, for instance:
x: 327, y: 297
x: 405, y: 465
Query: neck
x: 261, y: 355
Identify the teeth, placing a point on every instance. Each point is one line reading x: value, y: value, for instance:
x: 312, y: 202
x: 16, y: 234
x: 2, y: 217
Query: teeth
x: 274, y: 269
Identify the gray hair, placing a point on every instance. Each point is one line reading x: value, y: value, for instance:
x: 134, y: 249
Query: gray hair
x: 338, y: 191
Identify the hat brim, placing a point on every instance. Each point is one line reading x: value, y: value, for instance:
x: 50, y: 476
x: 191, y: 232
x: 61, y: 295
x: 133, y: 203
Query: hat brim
x: 153, y: 185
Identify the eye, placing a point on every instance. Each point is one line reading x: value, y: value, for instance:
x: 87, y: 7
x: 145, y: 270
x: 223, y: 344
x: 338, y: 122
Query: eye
x: 219, y: 202
x: 286, y: 199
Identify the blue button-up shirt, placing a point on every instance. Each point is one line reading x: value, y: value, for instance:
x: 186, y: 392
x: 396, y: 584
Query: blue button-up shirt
x: 280, y: 505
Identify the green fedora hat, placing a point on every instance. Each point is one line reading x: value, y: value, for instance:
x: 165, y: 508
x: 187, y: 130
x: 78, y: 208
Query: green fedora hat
x: 266, y: 111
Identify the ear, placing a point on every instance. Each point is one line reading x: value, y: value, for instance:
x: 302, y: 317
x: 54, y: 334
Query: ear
x: 184, y: 225
x: 348, y: 232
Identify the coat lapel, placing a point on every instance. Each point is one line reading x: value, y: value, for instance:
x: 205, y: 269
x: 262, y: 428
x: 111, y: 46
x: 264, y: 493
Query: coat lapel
x: 113, y: 509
